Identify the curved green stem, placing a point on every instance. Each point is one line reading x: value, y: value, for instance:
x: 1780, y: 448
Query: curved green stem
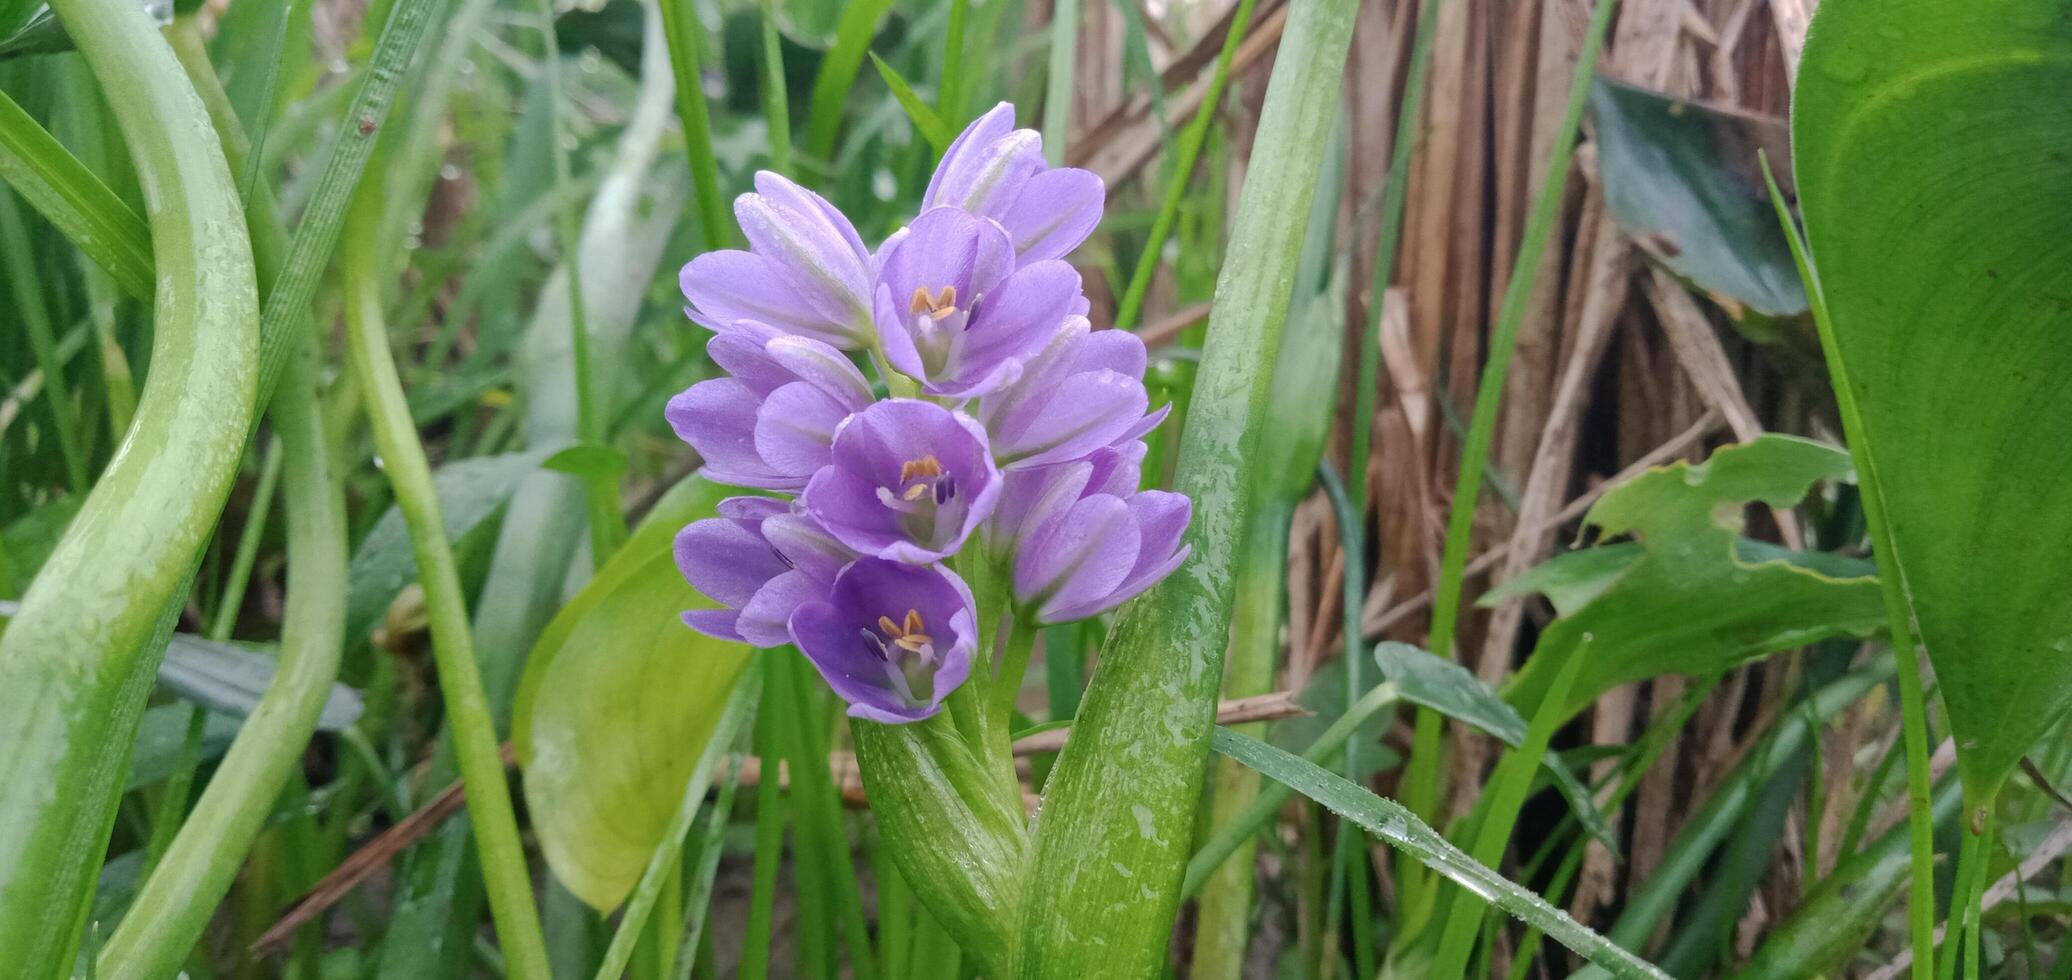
x: 77, y: 660
x: 176, y: 902
x: 468, y: 713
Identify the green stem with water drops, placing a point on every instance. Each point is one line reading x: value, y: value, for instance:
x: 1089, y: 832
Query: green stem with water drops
x: 468, y: 713
x: 78, y: 658
x: 1177, y: 179
x: 1223, y: 921
x: 1120, y: 806
x: 176, y: 901
x: 1421, y: 781
x: 1899, y: 619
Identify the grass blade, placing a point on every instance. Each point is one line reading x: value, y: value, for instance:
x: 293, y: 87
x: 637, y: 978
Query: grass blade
x: 838, y: 74
x: 683, y: 34
x: 1396, y: 825
x: 73, y: 198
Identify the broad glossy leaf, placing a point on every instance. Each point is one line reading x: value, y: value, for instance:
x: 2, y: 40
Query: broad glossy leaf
x: 161, y: 734
x: 617, y: 702
x: 1934, y: 158
x: 1694, y: 597
x: 470, y: 490
x: 1681, y: 179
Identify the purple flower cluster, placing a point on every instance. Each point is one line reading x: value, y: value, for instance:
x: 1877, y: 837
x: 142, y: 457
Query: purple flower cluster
x: 1013, y: 437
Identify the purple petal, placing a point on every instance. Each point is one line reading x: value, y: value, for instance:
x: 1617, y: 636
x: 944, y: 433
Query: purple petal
x: 1114, y: 350
x: 729, y: 286
x: 1087, y: 411
x: 1161, y: 520
x: 846, y: 504
x: 814, y: 250
x: 754, y: 510
x: 895, y: 337
x: 1031, y: 499
x: 947, y: 247
x: 1081, y: 559
x: 726, y: 560
x: 1116, y: 469
x: 716, y: 623
x: 823, y: 367
x: 960, y: 158
x: 810, y: 549
x: 1019, y: 318
x: 1055, y: 211
x: 717, y: 417
x: 795, y: 427
x: 984, y: 177
x: 830, y: 643
x: 766, y: 617
x: 741, y: 350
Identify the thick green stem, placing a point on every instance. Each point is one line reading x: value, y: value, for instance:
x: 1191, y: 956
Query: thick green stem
x: 1223, y: 921
x: 78, y: 659
x: 1421, y: 781
x: 176, y: 902
x: 1119, y: 808
x: 468, y: 714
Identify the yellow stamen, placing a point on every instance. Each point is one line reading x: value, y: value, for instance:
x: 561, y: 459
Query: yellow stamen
x: 937, y: 306
x: 913, y: 621
x: 927, y: 467
x: 890, y: 628
x: 914, y: 492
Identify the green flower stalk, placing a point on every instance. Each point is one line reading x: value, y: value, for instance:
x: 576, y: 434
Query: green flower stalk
x: 178, y: 899
x: 77, y: 661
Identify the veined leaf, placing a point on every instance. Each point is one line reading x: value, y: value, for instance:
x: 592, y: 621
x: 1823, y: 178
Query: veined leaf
x: 617, y: 702
x: 1691, y: 597
x: 1934, y: 158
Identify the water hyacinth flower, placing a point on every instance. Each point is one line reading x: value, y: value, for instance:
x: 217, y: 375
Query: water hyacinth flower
x: 1083, y: 392
x: 771, y: 422
x: 954, y: 311
x: 760, y: 559
x: 806, y: 271
x: 996, y: 171
x: 908, y: 481
x: 892, y: 639
x: 1084, y: 539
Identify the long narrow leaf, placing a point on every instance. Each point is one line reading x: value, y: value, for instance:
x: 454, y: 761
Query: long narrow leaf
x: 71, y: 197
x: 1401, y: 829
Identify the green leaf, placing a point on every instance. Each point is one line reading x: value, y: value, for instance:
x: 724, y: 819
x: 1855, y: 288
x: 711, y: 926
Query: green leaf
x: 1688, y: 599
x: 470, y: 490
x: 1426, y: 679
x: 930, y: 125
x: 74, y: 200
x: 1399, y: 828
x: 1680, y: 179
x: 1931, y: 158
x: 588, y: 460
x: 617, y: 701
x: 161, y: 735
x: 229, y: 679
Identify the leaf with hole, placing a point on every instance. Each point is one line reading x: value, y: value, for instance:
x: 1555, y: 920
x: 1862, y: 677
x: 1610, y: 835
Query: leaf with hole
x: 1692, y: 596
x: 1934, y: 155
